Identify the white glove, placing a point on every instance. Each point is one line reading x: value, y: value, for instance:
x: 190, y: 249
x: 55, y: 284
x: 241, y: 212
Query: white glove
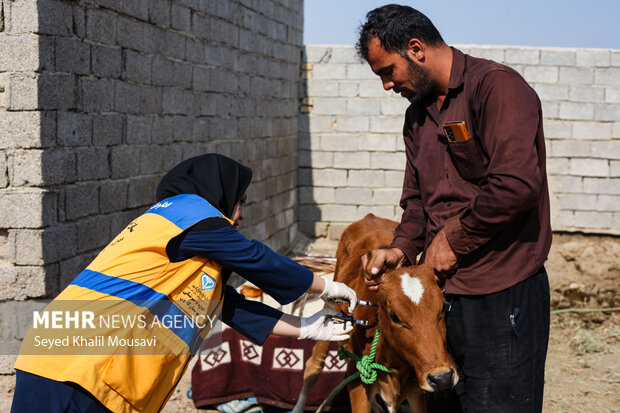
x: 335, y: 290
x: 319, y: 327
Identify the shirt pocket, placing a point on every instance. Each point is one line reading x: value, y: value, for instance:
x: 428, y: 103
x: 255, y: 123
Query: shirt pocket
x: 468, y: 159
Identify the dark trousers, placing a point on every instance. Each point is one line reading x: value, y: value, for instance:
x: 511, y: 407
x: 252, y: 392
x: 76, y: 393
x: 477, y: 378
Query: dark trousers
x: 499, y: 344
x: 39, y: 394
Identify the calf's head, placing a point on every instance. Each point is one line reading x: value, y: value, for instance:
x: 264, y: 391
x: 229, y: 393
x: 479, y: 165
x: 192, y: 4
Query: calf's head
x: 411, y: 318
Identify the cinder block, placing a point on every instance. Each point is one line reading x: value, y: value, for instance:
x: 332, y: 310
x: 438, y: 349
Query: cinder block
x: 37, y: 208
x: 22, y: 282
x: 606, y: 149
x: 329, y: 106
x: 178, y: 101
x: 367, y: 179
x: 615, y: 58
x: 74, y: 129
x: 543, y: 74
x: 334, y: 142
x: 592, y: 130
x: 40, y: 247
x: 596, y: 58
x: 488, y: 52
x: 97, y: 95
x: 612, y: 94
x: 159, y: 12
x: 139, y: 130
x: 377, y: 142
x: 592, y: 220
x: 578, y: 202
x: 352, y: 160
x: 576, y: 111
x: 21, y: 130
x: 354, y: 196
x: 338, y: 213
x: 607, y: 113
x: 352, y: 124
x: 107, y: 129
x: 93, y: 233
x: 589, y: 167
x: 387, y: 161
x: 614, y: 168
x: 106, y: 61
x: 555, y: 129
x: 81, y: 200
x: 550, y: 109
x: 126, y: 97
x: 20, y: 53
x: 151, y: 159
x: 150, y: 100
x: 101, y: 26
x: 112, y: 196
x: 72, y: 56
x: 566, y: 184
x: 195, y: 51
x: 526, y: 56
x: 608, y: 203
x: 328, y: 177
x: 570, y: 148
x: 394, y: 179
x: 560, y: 57
x: 123, y: 161
x: 329, y: 71
x: 602, y: 186
x: 585, y: 93
x: 131, y: 34
x: 136, y: 8
x: 141, y: 191
x: 315, y: 159
x: 162, y: 71
x: 38, y: 168
x: 557, y: 166
x: 182, y: 75
x: 380, y: 211
x: 387, y: 124
x: 552, y: 92
x: 137, y: 67
x: 92, y: 163
x: 344, y: 54
x: 395, y: 106
x: 572, y: 75
x: 607, y: 76
x: 23, y: 92
x: 316, y: 53
x: 181, y: 18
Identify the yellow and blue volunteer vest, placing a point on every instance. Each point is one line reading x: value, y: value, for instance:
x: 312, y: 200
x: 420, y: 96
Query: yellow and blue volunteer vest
x: 145, y: 315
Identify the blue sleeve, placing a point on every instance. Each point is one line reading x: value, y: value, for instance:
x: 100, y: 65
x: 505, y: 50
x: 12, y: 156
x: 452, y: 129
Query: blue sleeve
x: 277, y: 275
x: 252, y: 319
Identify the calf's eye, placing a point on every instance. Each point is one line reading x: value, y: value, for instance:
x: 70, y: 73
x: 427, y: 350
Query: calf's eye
x: 395, y: 319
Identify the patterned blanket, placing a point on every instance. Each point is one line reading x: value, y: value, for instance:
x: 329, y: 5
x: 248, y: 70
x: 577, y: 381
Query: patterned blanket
x: 230, y: 367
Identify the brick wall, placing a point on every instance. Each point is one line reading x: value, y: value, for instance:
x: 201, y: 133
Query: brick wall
x: 351, y: 155
x: 99, y: 98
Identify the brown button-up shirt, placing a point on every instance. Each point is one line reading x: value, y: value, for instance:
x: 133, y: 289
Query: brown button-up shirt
x: 489, y: 192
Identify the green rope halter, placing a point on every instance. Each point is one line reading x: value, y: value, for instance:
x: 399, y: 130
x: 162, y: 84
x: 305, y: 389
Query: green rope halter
x: 366, y: 369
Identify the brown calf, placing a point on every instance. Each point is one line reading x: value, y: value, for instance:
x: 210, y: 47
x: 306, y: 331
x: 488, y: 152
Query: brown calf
x: 409, y: 311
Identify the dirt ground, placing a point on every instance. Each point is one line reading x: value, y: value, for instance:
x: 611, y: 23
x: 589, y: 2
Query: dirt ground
x: 583, y: 362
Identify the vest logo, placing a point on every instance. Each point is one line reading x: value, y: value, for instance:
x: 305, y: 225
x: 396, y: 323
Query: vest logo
x: 165, y: 204
x: 206, y: 282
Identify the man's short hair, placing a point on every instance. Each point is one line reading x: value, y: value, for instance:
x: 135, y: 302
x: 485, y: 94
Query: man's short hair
x: 394, y: 25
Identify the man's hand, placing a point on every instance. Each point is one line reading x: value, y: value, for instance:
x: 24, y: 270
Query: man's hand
x: 440, y: 255
x: 376, y: 262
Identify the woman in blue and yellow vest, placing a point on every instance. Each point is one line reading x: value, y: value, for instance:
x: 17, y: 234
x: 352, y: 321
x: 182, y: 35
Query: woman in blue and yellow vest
x: 120, y: 336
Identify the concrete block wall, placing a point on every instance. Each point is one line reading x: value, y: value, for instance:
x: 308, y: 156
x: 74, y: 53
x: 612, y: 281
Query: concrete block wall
x: 99, y: 98
x: 351, y: 155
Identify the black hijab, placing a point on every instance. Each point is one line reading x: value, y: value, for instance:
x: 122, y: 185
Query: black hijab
x: 217, y: 178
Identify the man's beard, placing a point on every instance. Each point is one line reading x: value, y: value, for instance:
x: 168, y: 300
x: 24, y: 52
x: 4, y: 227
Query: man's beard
x: 426, y: 86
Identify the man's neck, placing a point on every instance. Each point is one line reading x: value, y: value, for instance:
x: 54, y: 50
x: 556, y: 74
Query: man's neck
x: 442, y: 67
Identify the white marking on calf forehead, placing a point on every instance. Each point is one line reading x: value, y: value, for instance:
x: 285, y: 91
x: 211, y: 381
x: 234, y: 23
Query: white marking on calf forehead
x: 412, y: 287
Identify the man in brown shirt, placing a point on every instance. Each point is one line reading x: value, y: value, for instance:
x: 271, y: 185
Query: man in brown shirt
x: 475, y: 202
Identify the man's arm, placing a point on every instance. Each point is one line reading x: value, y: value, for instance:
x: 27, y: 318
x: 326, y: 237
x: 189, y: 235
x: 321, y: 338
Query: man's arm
x: 509, y: 110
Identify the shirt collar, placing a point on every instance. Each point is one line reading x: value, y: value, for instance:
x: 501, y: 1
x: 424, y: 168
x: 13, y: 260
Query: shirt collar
x: 457, y: 72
